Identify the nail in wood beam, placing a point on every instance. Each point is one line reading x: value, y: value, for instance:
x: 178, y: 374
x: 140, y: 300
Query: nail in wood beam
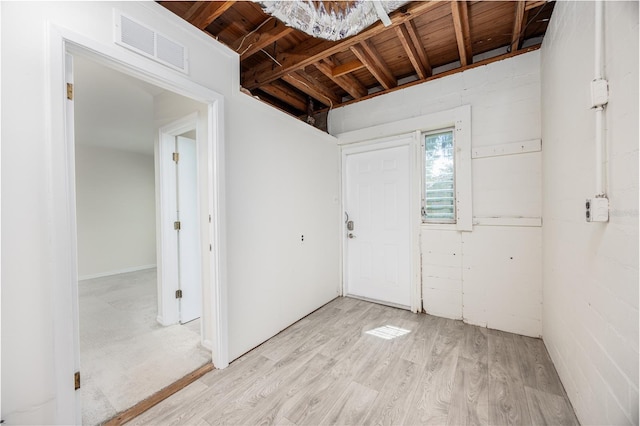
x: 517, y: 25
x: 348, y: 82
x: 303, y: 82
x: 369, y: 56
x: 210, y: 12
x: 461, y: 26
x: 253, y: 43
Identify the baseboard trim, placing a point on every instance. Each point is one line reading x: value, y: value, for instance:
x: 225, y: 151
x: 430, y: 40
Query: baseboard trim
x: 119, y: 271
x: 159, y: 396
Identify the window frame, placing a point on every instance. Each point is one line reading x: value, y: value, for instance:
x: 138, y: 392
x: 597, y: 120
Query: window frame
x: 423, y: 197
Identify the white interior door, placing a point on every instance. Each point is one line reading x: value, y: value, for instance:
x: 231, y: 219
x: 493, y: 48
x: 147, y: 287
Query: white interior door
x: 378, y: 248
x: 189, y: 261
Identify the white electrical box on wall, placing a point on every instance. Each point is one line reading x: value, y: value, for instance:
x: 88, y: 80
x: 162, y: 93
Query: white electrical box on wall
x: 597, y: 209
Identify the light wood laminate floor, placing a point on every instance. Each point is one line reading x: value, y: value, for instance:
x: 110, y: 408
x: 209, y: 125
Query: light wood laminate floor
x: 353, y: 362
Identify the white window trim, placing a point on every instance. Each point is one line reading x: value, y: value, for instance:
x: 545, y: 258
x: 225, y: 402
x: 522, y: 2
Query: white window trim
x: 460, y: 119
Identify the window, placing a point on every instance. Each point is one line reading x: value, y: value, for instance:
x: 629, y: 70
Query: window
x: 439, y: 203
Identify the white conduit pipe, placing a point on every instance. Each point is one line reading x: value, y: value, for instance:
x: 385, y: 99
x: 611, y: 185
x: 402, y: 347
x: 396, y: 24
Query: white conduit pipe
x: 599, y: 110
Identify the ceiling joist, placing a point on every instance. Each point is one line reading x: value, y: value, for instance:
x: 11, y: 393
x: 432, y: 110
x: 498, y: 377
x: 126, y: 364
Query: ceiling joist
x: 281, y: 91
x: 346, y: 68
x: 417, y: 42
x: 460, y: 15
x: 308, y: 52
x: 303, y: 82
x: 209, y: 12
x: 533, y: 4
x: 271, y: 30
x: 423, y: 70
x: 348, y: 82
x: 369, y: 56
x: 518, y: 24
x: 193, y: 10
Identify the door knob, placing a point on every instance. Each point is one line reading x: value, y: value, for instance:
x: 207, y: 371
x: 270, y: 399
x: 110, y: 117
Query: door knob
x: 351, y: 235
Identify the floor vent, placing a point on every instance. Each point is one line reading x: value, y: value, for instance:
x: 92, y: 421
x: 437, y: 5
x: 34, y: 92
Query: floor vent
x: 141, y: 39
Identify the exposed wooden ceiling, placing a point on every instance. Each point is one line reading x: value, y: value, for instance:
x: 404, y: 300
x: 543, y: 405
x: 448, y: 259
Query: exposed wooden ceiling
x: 305, y: 76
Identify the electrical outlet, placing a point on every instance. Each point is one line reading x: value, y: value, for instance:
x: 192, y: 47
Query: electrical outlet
x: 597, y: 209
x: 599, y: 93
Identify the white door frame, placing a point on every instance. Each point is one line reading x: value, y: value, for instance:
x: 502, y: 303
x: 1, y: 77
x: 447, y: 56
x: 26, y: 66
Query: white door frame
x: 167, y: 241
x: 410, y: 140
x: 61, y: 201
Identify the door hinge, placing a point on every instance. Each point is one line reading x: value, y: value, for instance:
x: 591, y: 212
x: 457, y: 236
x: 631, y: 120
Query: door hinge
x: 70, y: 91
x: 76, y: 380
x: 176, y: 156
x: 178, y: 294
x: 176, y: 225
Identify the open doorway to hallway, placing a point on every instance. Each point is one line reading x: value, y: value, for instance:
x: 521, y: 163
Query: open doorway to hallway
x: 126, y: 352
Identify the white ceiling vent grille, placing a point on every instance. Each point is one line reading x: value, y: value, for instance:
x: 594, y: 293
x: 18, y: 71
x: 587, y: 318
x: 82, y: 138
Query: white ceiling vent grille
x: 147, y: 42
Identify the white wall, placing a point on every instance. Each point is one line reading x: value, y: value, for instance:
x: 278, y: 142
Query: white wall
x: 282, y: 181
x: 490, y: 276
x: 590, y: 270
x: 115, y: 198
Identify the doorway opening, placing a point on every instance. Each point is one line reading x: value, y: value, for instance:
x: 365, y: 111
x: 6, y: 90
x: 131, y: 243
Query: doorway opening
x: 126, y: 353
x: 62, y: 45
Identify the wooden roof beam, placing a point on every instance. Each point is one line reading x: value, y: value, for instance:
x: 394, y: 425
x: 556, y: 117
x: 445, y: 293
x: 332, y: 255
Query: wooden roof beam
x: 417, y: 42
x: 461, y: 25
x: 306, y: 84
x: 518, y: 22
x: 412, y: 46
x: 268, y: 33
x: 348, y: 82
x: 312, y: 51
x: 209, y: 12
x: 369, y: 56
x: 192, y: 10
x: 533, y: 4
x: 346, y: 68
x: 286, y: 94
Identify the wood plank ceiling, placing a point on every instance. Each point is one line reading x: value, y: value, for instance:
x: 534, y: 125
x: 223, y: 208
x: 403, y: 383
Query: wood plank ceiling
x: 306, y: 76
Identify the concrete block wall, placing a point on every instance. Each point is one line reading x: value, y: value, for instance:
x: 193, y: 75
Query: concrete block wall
x: 590, y: 270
